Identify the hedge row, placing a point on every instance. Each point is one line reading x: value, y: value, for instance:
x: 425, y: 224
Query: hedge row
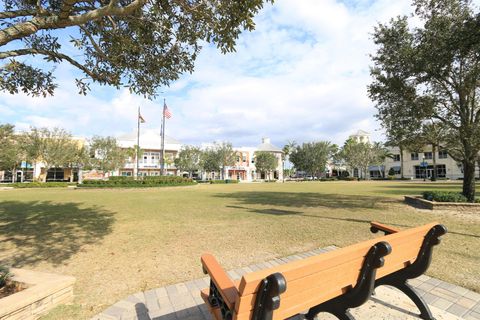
x: 444, y: 196
x: 223, y: 181
x: 144, y: 182
x: 39, y: 184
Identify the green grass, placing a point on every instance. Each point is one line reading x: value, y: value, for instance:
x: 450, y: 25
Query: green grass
x: 118, y: 242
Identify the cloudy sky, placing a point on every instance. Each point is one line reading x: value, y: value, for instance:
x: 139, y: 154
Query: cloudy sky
x: 301, y: 75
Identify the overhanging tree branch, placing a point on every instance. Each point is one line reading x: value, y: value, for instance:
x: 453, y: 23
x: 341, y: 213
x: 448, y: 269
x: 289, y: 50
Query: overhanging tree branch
x: 54, y: 55
x: 24, y: 29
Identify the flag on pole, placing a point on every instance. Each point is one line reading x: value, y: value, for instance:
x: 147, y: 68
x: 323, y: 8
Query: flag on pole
x: 167, y: 114
x: 140, y: 117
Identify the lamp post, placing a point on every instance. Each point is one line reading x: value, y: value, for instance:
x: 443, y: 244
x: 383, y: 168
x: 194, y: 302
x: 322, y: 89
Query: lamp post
x: 424, y: 170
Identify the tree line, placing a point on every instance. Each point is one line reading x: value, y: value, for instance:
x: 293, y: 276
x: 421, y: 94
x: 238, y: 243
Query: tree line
x: 312, y: 158
x: 56, y: 148
x: 218, y: 157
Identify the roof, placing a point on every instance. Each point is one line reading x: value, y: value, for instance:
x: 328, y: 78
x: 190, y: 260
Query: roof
x: 267, y: 146
x: 361, y: 133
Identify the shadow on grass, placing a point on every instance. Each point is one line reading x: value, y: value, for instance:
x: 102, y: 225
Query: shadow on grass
x: 47, y: 231
x: 418, y: 188
x: 307, y: 199
x: 299, y: 200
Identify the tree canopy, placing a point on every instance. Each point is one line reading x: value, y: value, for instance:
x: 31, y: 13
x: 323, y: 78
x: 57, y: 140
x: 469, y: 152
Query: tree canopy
x: 188, y: 159
x: 265, y: 162
x: 432, y: 72
x: 312, y: 157
x: 140, y: 44
x: 106, y: 154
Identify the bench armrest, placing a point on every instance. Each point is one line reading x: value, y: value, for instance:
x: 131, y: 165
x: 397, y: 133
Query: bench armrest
x: 376, y: 226
x: 220, y: 278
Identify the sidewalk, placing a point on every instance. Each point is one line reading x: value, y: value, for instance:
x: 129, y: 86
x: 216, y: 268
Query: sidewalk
x: 182, y: 301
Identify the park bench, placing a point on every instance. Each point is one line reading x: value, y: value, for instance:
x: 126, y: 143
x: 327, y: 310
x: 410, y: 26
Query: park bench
x: 331, y: 282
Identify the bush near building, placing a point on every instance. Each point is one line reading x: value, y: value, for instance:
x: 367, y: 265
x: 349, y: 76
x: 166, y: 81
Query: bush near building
x: 145, y: 182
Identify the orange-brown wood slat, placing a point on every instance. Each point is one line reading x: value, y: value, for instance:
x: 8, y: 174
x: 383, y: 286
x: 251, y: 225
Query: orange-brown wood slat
x: 384, y: 227
x: 224, y: 284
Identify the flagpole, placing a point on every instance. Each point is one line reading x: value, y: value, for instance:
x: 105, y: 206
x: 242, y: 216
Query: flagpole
x: 162, y: 163
x: 138, y: 144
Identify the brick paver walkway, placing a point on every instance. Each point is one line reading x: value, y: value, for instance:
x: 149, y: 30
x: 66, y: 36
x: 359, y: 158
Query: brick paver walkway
x: 182, y: 301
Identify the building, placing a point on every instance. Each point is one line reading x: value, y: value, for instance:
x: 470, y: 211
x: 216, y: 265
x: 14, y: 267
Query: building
x: 244, y: 168
x: 416, y: 165
x: 419, y: 165
x: 149, y: 161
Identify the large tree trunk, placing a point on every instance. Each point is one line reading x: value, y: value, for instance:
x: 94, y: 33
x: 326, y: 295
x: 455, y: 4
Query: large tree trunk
x: 469, y: 180
x: 434, y: 175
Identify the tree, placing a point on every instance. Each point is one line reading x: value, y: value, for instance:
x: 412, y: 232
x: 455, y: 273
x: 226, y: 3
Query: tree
x: 312, y: 157
x: 188, y: 159
x: 56, y: 148
x: 226, y: 155
x: 287, y: 150
x: 431, y: 72
x: 210, y: 161
x: 107, y: 154
x: 32, y: 145
x: 10, y: 151
x: 433, y: 133
x: 360, y: 155
x: 135, y: 43
x: 265, y: 162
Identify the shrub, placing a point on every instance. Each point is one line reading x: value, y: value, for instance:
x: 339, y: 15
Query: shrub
x: 4, y: 275
x: 142, y: 182
x: 348, y: 178
x: 40, y: 184
x: 223, y: 181
x: 328, y: 179
x: 443, y: 196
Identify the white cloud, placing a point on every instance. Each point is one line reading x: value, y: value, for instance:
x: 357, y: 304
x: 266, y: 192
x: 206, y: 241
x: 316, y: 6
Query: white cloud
x: 301, y: 75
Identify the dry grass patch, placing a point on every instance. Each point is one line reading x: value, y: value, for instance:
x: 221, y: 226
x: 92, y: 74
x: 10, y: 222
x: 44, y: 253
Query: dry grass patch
x: 118, y: 242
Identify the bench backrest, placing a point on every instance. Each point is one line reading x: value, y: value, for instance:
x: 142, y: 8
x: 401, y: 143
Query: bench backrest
x: 317, y: 279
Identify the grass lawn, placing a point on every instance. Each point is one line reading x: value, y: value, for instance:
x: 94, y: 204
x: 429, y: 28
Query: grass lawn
x: 118, y: 242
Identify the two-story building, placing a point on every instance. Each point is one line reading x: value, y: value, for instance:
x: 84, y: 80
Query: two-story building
x: 149, y: 163
x: 244, y: 168
x: 419, y: 165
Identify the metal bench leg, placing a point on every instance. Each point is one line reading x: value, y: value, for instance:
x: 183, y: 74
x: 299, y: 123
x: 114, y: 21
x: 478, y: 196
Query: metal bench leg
x: 425, y: 312
x: 362, y: 291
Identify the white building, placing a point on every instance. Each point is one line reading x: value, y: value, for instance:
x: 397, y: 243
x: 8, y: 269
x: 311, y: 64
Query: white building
x: 149, y: 162
x: 244, y: 168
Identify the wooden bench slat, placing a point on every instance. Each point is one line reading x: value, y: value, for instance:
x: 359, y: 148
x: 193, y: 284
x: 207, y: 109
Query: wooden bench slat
x: 225, y: 285
x: 384, y: 227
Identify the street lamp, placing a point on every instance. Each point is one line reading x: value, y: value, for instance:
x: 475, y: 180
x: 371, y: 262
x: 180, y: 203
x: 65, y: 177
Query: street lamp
x: 424, y: 169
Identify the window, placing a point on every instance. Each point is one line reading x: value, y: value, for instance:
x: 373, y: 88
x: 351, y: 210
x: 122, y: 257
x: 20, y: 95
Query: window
x: 441, y: 171
x: 396, y: 157
x: 428, y: 155
x: 244, y: 157
x: 442, y: 154
x: 414, y: 155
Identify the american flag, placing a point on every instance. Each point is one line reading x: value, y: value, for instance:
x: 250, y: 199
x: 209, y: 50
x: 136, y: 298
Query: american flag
x: 166, y: 113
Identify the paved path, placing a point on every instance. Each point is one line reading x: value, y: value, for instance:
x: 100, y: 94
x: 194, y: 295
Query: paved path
x: 182, y: 301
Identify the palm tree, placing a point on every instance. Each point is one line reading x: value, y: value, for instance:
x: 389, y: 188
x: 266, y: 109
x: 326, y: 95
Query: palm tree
x: 287, y: 150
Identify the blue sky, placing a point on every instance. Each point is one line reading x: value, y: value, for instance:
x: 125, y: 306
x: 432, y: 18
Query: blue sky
x: 301, y: 75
